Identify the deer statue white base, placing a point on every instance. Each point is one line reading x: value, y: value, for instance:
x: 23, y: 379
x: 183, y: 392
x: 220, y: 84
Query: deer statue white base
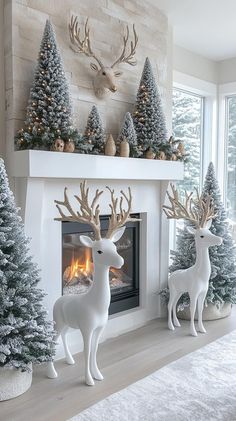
x: 194, y: 280
x: 89, y: 312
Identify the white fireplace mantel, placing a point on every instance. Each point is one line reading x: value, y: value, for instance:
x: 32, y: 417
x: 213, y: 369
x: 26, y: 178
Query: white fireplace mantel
x: 44, y: 164
x: 40, y: 177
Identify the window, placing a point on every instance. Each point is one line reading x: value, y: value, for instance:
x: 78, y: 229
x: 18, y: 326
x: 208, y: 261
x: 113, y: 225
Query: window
x: 231, y: 157
x: 188, y: 126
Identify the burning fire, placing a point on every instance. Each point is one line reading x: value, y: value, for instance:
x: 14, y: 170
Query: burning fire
x: 78, y: 268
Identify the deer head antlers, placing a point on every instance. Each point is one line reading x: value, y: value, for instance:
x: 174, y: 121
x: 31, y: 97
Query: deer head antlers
x: 198, y: 211
x: 82, y: 45
x: 105, y: 78
x: 89, y: 212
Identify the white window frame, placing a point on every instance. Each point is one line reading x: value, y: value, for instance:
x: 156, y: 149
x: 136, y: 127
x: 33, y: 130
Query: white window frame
x: 208, y: 91
x: 225, y: 91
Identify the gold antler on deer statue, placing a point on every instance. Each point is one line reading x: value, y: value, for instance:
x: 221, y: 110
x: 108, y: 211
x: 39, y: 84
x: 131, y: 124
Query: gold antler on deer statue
x: 198, y: 211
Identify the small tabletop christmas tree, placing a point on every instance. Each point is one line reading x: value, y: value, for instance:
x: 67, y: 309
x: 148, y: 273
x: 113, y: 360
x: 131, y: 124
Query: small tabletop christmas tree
x: 25, y: 335
x: 148, y: 117
x: 48, y: 114
x: 94, y: 138
x: 222, y: 286
x: 128, y: 132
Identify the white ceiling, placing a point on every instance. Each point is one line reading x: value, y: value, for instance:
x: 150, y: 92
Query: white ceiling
x: 206, y: 27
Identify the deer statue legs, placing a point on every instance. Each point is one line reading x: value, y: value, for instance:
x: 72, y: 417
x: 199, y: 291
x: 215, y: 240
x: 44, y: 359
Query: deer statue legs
x: 91, y: 340
x: 196, y: 302
x: 97, y: 375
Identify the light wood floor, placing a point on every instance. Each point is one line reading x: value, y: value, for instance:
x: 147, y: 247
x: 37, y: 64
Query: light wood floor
x: 123, y: 360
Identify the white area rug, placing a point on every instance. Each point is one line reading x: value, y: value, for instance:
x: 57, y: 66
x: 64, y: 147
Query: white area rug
x: 198, y: 387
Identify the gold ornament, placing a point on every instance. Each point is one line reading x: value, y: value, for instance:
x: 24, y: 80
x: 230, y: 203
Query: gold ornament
x: 124, y: 148
x: 149, y: 154
x: 69, y: 146
x: 173, y: 157
x: 181, y: 149
x: 58, y: 145
x: 161, y: 156
x: 110, y: 146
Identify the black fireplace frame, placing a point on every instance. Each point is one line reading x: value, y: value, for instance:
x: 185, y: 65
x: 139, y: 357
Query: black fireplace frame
x: 125, y: 300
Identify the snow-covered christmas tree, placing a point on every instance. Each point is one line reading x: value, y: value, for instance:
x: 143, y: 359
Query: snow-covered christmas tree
x: 48, y: 115
x: 25, y: 334
x: 148, y: 117
x: 128, y: 132
x: 94, y: 137
x: 222, y: 285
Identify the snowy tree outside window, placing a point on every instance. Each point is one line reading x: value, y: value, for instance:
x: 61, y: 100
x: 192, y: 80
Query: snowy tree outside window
x: 187, y: 126
x: 187, y: 118
x: 231, y: 157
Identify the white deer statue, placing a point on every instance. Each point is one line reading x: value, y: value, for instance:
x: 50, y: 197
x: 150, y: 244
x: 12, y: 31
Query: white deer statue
x: 89, y: 311
x: 104, y: 80
x: 194, y: 280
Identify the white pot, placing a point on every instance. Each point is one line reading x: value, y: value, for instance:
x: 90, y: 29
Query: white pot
x: 211, y: 312
x: 14, y: 382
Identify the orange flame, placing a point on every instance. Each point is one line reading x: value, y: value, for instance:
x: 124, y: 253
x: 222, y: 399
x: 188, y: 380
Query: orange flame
x: 78, y: 267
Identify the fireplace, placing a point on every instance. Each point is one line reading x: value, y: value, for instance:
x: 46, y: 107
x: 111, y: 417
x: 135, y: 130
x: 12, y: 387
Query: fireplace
x: 77, y: 265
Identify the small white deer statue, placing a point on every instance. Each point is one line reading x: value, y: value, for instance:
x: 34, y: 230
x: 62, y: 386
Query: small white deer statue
x: 194, y: 280
x: 89, y: 311
x: 104, y: 80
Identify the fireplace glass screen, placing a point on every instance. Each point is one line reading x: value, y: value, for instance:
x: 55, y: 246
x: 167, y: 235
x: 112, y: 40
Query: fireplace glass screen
x: 77, y: 264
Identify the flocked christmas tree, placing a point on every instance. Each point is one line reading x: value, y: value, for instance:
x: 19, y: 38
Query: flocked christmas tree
x: 128, y: 132
x: 94, y: 138
x: 148, y: 117
x: 222, y: 285
x: 48, y: 114
x: 25, y: 335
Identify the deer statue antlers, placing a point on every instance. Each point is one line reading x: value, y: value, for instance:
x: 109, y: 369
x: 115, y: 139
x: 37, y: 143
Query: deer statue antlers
x: 198, y: 211
x: 89, y: 212
x: 119, y: 218
x: 105, y: 77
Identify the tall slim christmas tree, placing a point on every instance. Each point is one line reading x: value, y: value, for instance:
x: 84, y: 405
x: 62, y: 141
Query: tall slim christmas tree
x: 148, y: 117
x: 94, y: 138
x: 48, y: 114
x: 128, y: 132
x: 222, y: 285
x: 25, y: 335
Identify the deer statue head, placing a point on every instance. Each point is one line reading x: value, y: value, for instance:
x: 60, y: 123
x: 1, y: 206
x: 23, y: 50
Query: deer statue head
x: 199, y: 211
x: 105, y: 79
x: 104, y: 250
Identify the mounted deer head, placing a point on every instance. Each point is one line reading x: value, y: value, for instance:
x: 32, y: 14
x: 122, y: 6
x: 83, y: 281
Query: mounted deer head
x: 104, y: 80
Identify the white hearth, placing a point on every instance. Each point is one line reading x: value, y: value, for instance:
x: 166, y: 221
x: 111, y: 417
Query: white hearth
x: 40, y: 177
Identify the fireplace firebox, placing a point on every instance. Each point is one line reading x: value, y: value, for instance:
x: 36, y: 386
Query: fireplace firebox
x: 77, y: 264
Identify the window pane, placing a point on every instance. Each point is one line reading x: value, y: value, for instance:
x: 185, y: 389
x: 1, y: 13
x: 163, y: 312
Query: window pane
x: 187, y: 126
x: 231, y: 158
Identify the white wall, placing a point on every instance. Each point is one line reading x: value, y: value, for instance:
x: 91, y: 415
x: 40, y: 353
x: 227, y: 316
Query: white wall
x: 192, y: 64
x: 227, y: 71
x: 218, y: 72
